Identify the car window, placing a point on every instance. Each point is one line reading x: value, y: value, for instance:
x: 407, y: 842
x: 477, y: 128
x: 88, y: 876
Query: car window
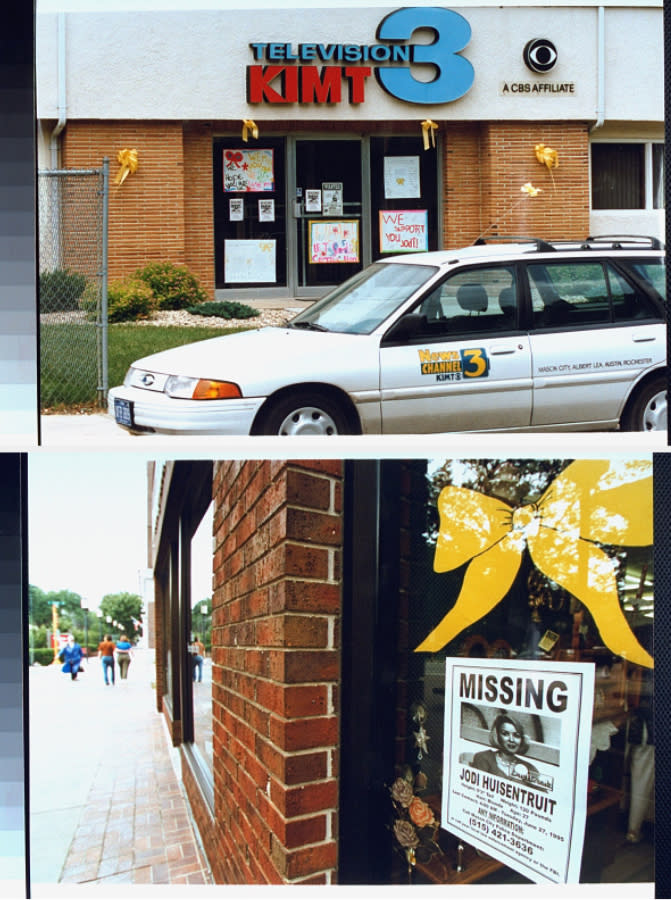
x: 629, y: 302
x: 651, y: 270
x: 583, y: 294
x: 474, y: 300
x: 364, y: 301
x: 568, y: 294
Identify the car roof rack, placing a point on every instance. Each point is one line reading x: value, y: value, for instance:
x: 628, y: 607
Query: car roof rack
x: 617, y: 241
x: 541, y: 245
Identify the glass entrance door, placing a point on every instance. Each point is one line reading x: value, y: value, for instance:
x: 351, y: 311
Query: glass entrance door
x: 328, y: 212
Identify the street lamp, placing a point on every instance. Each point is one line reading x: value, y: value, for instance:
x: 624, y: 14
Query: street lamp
x: 85, y: 606
x: 100, y: 625
x: 203, y: 612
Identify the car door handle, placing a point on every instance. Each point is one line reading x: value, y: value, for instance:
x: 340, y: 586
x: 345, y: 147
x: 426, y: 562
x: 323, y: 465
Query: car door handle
x: 642, y: 338
x: 502, y: 351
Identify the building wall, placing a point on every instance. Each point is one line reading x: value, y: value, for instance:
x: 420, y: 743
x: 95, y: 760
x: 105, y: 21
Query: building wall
x: 191, y: 63
x: 486, y: 166
x: 163, y: 211
x: 276, y: 667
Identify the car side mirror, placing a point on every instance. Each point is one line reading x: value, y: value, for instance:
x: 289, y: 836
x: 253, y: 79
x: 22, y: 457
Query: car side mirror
x: 408, y: 326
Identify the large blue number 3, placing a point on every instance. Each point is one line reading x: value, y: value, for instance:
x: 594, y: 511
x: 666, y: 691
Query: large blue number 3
x: 455, y: 74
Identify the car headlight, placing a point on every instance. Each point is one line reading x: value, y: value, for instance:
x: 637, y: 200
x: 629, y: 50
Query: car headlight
x: 185, y: 388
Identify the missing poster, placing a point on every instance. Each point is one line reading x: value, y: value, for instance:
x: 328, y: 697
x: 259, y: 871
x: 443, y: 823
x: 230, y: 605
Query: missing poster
x: 516, y: 757
x: 332, y: 194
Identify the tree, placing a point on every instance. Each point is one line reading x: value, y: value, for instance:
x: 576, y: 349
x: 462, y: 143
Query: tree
x: 39, y: 606
x: 201, y: 622
x: 125, y: 609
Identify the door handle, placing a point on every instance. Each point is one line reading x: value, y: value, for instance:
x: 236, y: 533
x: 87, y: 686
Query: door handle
x: 503, y: 351
x: 642, y: 338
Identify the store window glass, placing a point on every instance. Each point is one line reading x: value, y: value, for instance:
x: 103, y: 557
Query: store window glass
x: 249, y: 213
x: 404, y: 194
x: 627, y: 175
x: 618, y: 176
x: 658, y: 192
x: 525, y: 701
x: 200, y: 645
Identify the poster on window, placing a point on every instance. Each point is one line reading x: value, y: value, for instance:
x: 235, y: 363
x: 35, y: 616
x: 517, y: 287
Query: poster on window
x: 401, y: 177
x: 516, y: 757
x: 404, y: 230
x: 236, y: 209
x: 332, y: 198
x: 334, y: 242
x: 266, y: 210
x: 313, y: 200
x: 251, y: 171
x: 249, y: 261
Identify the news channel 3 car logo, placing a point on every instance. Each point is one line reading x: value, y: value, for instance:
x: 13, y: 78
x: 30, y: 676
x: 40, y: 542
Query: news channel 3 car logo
x: 540, y: 55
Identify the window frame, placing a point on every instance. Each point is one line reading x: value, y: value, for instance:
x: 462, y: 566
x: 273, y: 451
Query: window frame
x: 647, y: 175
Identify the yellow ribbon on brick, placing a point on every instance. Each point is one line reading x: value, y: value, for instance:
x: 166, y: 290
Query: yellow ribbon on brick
x: 128, y: 162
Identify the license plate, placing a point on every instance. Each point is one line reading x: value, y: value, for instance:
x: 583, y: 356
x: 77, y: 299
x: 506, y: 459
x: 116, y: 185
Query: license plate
x: 123, y: 412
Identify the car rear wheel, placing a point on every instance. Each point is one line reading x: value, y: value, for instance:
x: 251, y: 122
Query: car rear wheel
x: 308, y: 413
x: 648, y: 409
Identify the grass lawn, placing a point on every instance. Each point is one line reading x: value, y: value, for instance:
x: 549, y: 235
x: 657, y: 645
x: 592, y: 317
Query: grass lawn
x: 68, y: 356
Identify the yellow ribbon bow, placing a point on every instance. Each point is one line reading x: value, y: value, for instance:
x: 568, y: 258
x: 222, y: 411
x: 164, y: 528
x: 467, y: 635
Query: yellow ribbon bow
x: 249, y: 125
x: 590, y: 501
x: 428, y: 129
x: 547, y: 157
x: 127, y: 159
x: 529, y: 189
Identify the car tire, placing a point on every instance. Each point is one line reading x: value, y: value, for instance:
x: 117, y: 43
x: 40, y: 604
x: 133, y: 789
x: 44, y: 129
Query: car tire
x: 304, y: 413
x: 647, y: 410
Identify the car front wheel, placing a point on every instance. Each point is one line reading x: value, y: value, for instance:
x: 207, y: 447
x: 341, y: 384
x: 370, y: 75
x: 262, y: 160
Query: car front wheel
x: 648, y: 409
x: 300, y: 414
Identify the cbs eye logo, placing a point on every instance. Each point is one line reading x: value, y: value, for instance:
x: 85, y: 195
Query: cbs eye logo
x: 540, y: 55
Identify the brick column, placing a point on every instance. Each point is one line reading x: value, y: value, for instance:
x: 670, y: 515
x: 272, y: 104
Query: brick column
x: 276, y: 663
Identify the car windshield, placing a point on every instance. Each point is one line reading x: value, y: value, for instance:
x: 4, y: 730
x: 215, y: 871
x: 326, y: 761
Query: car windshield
x: 364, y: 301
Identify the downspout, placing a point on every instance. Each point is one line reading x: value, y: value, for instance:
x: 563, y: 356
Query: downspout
x: 600, y: 69
x: 62, y: 106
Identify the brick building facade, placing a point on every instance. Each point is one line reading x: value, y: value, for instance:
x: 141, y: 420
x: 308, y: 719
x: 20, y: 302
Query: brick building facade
x: 255, y: 102
x: 322, y: 583
x: 276, y: 636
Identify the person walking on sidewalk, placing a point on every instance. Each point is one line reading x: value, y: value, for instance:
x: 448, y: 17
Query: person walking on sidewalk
x: 106, y: 654
x: 71, y: 657
x: 124, y: 654
x: 197, y: 650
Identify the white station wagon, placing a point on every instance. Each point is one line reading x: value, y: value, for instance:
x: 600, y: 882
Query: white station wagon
x: 523, y: 335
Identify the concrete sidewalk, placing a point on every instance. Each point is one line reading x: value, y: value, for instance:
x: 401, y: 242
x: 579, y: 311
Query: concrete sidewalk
x: 106, y: 806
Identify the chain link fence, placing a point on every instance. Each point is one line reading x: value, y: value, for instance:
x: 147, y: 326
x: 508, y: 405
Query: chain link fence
x: 72, y: 230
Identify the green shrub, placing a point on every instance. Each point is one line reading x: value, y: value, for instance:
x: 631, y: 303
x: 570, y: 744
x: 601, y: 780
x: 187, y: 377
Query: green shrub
x: 42, y: 655
x: 224, y: 309
x: 127, y: 300
x: 173, y: 286
x: 60, y: 290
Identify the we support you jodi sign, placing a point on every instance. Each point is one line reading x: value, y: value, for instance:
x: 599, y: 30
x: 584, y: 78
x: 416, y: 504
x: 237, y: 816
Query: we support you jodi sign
x: 517, y: 744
